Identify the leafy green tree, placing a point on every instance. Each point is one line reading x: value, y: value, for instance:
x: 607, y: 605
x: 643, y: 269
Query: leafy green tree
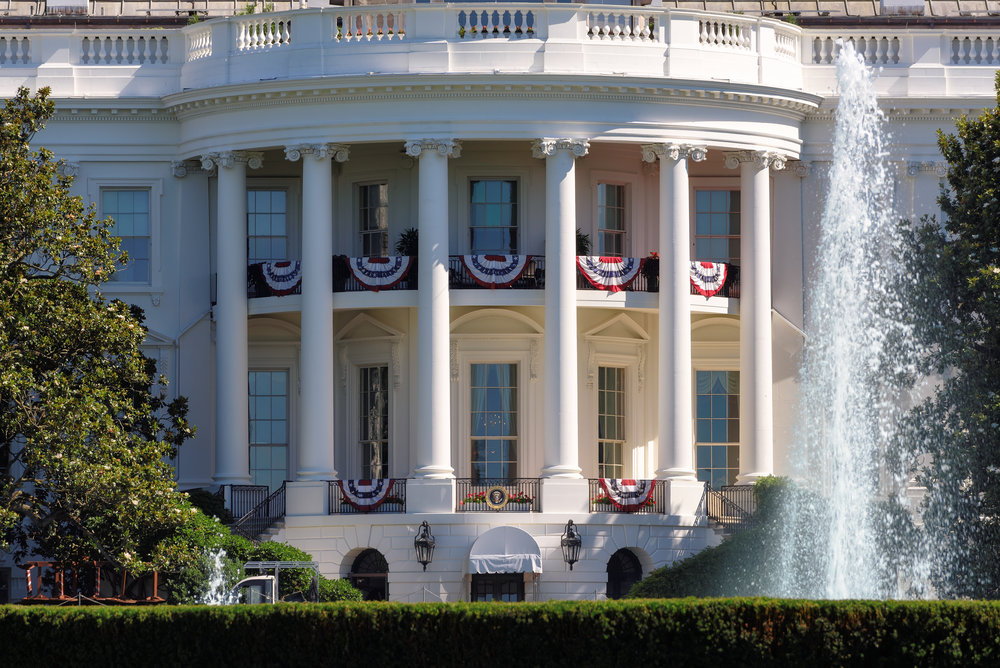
x: 957, y: 319
x: 86, y: 432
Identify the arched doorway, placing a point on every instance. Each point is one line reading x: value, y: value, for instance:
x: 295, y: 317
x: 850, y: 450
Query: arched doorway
x: 624, y: 570
x: 498, y: 562
x: 370, y: 575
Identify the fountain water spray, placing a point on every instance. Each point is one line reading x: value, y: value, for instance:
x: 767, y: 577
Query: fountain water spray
x: 843, y: 528
x: 218, y: 593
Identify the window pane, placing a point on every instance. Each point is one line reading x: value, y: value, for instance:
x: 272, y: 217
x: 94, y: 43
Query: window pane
x: 493, y: 397
x: 129, y: 209
x: 717, y: 405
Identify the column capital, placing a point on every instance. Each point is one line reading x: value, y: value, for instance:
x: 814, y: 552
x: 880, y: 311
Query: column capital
x: 760, y: 159
x: 227, y: 159
x: 545, y: 147
x: 800, y: 168
x: 319, y: 151
x: 669, y: 151
x: 449, y: 148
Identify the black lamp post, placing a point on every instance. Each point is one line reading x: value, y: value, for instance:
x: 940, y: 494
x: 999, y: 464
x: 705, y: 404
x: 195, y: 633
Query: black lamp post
x: 424, y: 544
x: 571, y: 543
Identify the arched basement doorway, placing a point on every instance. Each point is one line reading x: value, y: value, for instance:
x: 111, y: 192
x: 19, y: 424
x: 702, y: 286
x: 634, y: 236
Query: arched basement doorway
x: 370, y: 575
x: 498, y: 563
x: 624, y: 570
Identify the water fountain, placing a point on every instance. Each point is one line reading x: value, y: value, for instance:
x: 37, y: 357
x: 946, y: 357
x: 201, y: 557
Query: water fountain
x: 845, y: 530
x: 218, y: 593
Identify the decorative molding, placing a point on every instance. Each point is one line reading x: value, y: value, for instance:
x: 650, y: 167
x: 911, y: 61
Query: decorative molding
x: 343, y: 366
x: 669, y: 151
x: 760, y: 159
x: 154, y: 298
x: 319, y: 151
x: 546, y: 147
x: 641, y: 367
x: 227, y: 159
x: 179, y: 169
x: 394, y: 359
x: 68, y: 169
x: 449, y: 148
x: 940, y: 169
x: 800, y: 169
x: 454, y: 360
x: 533, y: 359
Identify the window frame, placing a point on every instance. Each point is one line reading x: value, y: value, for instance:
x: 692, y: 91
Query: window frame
x: 358, y: 442
x: 460, y: 240
x: 355, y: 354
x: 694, y: 418
x: 518, y: 438
x: 359, y: 234
x: 293, y: 211
x: 622, y: 442
x: 630, y: 355
x: 290, y: 418
x: 95, y: 193
x: 711, y: 183
x: 515, y: 205
x: 634, y: 233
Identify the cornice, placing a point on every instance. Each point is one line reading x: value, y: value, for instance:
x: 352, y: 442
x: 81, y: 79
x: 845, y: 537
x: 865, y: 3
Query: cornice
x: 397, y: 88
x: 943, y: 110
x: 109, y: 110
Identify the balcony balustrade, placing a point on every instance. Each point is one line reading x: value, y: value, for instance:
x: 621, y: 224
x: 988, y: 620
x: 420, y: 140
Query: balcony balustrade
x: 391, y: 500
x: 603, y: 502
x: 469, y: 38
x: 497, y: 495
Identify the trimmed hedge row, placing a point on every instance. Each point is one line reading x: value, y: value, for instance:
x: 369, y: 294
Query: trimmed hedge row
x: 684, y: 632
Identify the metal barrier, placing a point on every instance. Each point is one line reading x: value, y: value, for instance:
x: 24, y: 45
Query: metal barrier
x: 497, y: 495
x: 262, y: 517
x: 731, y: 507
x: 394, y: 501
x: 600, y: 502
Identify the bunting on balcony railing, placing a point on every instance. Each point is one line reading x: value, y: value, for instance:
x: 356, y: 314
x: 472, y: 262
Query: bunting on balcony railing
x: 708, y: 277
x: 495, y: 271
x: 613, y: 274
x: 628, y: 495
x: 365, y: 495
x: 283, y: 278
x: 379, y: 273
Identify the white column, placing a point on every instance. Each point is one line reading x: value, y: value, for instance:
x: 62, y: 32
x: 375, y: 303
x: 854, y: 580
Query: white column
x: 433, y: 318
x: 315, y: 453
x: 232, y: 442
x: 562, y: 442
x: 675, y: 458
x: 756, y: 387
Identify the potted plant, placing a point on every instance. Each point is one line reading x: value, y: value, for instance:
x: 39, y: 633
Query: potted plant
x: 407, y: 244
x: 582, y: 242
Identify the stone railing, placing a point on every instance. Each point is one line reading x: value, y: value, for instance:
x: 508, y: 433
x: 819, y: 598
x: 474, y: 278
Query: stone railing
x: 551, y: 38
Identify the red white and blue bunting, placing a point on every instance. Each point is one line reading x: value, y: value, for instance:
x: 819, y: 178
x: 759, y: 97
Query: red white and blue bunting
x: 495, y: 271
x: 628, y: 495
x: 379, y: 273
x: 708, y: 277
x: 613, y: 274
x: 282, y: 278
x: 365, y: 495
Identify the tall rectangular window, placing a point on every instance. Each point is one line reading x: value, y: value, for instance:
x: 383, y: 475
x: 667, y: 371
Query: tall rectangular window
x: 717, y: 226
x: 267, y: 225
x: 717, y: 437
x: 268, y: 428
x: 130, y: 211
x: 494, y: 422
x: 610, y: 219
x: 610, y: 422
x: 493, y: 216
x: 373, y: 213
x: 374, y: 404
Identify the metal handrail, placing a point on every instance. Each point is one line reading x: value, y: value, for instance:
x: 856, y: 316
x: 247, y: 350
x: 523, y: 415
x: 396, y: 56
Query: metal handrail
x: 395, y: 501
x: 472, y: 495
x: 721, y: 508
x: 601, y: 503
x: 262, y: 517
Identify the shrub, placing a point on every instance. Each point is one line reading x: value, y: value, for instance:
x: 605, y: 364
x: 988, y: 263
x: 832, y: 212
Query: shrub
x: 337, y: 590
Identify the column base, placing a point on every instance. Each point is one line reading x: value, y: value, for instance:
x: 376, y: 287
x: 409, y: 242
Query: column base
x: 307, y: 498
x: 751, y: 478
x: 430, y: 495
x: 676, y: 474
x: 220, y: 480
x: 570, y: 472
x: 310, y: 475
x: 434, y: 473
x: 684, y: 500
x: 565, y: 495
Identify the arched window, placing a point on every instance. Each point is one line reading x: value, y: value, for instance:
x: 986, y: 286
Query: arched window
x: 624, y: 570
x: 370, y: 574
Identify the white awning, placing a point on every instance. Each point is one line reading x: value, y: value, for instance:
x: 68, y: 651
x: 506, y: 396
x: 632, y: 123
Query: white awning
x: 505, y: 550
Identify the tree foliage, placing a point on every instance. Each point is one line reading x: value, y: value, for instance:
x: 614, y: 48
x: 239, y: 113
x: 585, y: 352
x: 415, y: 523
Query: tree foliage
x: 85, y: 423
x: 957, y: 319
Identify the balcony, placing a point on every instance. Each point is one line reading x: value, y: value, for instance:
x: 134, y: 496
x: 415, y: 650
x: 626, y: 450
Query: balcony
x: 277, y: 279
x: 497, y: 495
x: 349, y: 497
x: 635, y: 497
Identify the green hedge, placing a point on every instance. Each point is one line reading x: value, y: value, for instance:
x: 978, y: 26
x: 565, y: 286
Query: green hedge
x: 685, y: 632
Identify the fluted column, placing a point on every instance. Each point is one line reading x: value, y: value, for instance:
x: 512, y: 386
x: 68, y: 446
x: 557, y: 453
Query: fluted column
x: 756, y: 386
x: 675, y: 457
x: 562, y: 459
x: 232, y: 441
x: 315, y: 454
x: 433, y: 317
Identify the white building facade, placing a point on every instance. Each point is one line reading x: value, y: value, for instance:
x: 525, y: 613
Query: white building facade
x: 262, y: 169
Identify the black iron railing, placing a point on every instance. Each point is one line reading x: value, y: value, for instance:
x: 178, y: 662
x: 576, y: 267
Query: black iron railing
x: 394, y: 501
x: 601, y: 502
x: 648, y: 280
x: 257, y: 285
x: 497, y: 495
x: 533, y: 277
x: 731, y: 507
x: 344, y: 281
x: 262, y: 517
x: 244, y: 498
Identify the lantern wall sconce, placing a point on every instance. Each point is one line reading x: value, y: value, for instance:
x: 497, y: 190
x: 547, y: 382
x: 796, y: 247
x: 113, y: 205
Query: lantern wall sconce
x: 571, y: 544
x: 424, y: 544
